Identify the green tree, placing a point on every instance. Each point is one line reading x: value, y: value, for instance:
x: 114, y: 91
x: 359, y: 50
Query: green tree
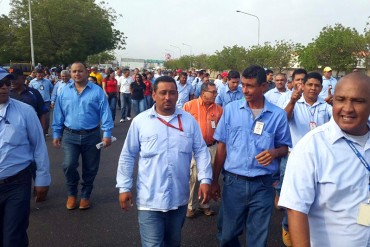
x: 366, y: 53
x: 102, y: 57
x: 229, y: 58
x: 307, y: 57
x: 64, y: 31
x: 337, y: 47
x: 282, y: 55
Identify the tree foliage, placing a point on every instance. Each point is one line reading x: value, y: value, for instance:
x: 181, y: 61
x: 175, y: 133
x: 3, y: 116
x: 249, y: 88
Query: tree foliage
x: 102, y: 57
x: 338, y: 47
x: 63, y: 31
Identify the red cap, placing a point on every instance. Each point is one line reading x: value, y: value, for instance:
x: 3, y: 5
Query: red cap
x: 179, y: 71
x: 224, y: 74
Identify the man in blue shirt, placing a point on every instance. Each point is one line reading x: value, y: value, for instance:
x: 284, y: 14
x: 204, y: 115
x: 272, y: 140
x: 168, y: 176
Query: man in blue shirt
x: 45, y: 87
x: 252, y: 135
x: 65, y: 79
x: 79, y: 109
x: 164, y: 138
x: 185, y: 90
x: 21, y: 142
x: 232, y: 92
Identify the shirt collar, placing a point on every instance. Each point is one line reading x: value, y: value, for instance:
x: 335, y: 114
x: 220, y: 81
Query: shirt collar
x: 89, y: 84
x: 335, y: 132
x: 238, y: 89
x: 152, y: 112
x: 266, y: 107
x: 318, y: 101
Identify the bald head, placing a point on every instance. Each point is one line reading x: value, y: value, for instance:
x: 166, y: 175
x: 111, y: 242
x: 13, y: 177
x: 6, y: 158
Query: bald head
x: 351, y: 103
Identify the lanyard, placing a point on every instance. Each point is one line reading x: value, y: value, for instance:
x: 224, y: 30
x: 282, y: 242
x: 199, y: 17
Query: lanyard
x: 170, y: 125
x: 358, y: 154
x: 312, y: 114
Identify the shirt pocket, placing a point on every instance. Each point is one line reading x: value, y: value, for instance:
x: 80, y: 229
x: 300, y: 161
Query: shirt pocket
x: 186, y: 142
x: 237, y: 137
x: 15, y: 135
x: 264, y: 141
x: 149, y: 146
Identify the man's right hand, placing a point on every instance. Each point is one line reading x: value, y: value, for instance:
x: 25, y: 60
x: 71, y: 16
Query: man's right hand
x: 57, y: 142
x: 125, y: 200
x: 296, y: 95
x: 215, y: 191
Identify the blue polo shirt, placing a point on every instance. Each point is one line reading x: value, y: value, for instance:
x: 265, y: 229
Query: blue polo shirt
x: 225, y: 95
x: 236, y: 130
x: 44, y: 86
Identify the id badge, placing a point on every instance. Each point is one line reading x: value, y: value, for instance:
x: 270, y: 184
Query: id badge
x: 41, y: 87
x: 258, y: 128
x: 312, y: 125
x: 213, y: 124
x: 363, y: 217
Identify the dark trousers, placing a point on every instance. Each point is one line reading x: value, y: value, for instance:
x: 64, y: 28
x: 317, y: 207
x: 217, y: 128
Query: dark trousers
x: 15, y: 199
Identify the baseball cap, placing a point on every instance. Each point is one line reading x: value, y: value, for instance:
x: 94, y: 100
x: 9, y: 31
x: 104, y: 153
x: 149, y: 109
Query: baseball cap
x: 179, y: 71
x: 327, y: 69
x: 4, y: 73
x: 224, y: 74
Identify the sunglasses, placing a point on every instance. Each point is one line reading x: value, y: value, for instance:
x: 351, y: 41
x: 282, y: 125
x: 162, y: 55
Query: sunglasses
x: 6, y: 82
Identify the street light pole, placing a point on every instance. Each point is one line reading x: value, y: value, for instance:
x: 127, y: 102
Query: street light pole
x: 191, y: 52
x: 259, y: 23
x: 177, y: 48
x: 31, y: 34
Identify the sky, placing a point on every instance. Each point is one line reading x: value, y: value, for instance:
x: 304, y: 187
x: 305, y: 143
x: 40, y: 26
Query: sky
x: 156, y: 27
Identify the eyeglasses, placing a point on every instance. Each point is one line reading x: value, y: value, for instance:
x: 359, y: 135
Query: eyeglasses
x: 6, y: 82
x: 212, y: 92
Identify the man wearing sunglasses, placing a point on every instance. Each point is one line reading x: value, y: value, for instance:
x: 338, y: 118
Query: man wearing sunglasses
x: 21, y: 142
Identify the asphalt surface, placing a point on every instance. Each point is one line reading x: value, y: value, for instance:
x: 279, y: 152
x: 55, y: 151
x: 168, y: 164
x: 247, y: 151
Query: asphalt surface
x: 105, y: 224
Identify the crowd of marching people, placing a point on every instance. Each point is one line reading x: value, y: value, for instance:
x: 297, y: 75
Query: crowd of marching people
x: 296, y: 142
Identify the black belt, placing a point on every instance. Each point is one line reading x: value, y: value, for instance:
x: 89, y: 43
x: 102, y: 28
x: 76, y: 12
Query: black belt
x: 211, y: 144
x: 81, y: 132
x: 14, y: 177
x: 250, y: 179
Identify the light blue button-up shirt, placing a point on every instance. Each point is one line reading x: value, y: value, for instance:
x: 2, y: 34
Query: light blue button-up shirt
x: 82, y: 111
x: 325, y: 86
x: 184, y: 94
x: 236, y: 130
x: 273, y: 95
x: 225, y: 95
x: 44, y: 86
x: 164, y: 160
x: 57, y: 88
x: 22, y: 141
x: 319, y: 113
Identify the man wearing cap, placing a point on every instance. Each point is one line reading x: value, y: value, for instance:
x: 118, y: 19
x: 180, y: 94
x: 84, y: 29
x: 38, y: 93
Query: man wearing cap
x: 45, y: 87
x: 232, y: 92
x: 223, y: 82
x: 97, y: 75
x: 81, y: 109
x: 328, y: 85
x: 21, y: 142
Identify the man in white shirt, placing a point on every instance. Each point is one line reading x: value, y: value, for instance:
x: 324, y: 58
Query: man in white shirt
x: 274, y: 94
x: 125, y: 95
x: 326, y: 184
x: 328, y: 85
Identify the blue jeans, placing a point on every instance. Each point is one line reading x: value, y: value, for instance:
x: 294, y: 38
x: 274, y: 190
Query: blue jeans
x: 125, y: 105
x: 161, y: 229
x: 149, y: 101
x: 283, y: 163
x: 15, y: 199
x: 138, y: 105
x: 73, y: 146
x: 112, y: 101
x: 246, y: 204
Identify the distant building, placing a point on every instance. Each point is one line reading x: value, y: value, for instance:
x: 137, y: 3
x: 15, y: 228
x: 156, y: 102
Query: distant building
x: 141, y: 63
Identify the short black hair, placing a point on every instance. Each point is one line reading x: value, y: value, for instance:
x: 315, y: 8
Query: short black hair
x: 164, y: 78
x: 233, y: 74
x: 183, y: 74
x: 298, y: 72
x: 313, y: 75
x: 40, y: 71
x: 125, y: 70
x: 255, y: 72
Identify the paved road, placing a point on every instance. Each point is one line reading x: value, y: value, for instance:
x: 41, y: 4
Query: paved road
x: 105, y: 224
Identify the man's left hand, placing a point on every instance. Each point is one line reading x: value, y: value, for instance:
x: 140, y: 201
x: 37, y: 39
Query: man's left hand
x: 266, y: 157
x: 41, y: 193
x: 107, y: 141
x: 204, y: 193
